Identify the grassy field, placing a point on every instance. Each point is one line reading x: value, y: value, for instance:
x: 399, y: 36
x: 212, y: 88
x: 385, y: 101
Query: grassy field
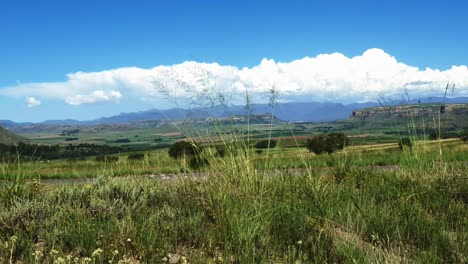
x: 143, y: 137
x: 351, y: 206
x: 282, y: 157
x: 372, y: 202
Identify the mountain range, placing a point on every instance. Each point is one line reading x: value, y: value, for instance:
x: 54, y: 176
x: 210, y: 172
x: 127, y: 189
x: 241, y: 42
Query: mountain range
x: 291, y: 111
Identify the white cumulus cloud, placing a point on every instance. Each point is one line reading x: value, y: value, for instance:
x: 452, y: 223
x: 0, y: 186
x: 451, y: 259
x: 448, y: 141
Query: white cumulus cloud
x: 94, y: 97
x: 32, y: 102
x: 326, y: 77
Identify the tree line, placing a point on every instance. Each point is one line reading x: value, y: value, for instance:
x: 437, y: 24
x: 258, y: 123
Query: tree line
x: 50, y: 152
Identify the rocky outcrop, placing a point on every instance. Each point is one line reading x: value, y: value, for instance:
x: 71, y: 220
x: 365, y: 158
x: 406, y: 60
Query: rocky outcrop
x: 410, y: 111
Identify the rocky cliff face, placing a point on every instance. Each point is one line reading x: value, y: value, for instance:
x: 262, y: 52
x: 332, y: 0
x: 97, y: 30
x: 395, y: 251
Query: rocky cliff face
x: 410, y: 111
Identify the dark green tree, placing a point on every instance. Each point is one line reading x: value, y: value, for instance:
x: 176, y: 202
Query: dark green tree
x: 184, y: 148
x: 336, y: 141
x: 264, y: 144
x: 317, y: 145
x: 327, y: 143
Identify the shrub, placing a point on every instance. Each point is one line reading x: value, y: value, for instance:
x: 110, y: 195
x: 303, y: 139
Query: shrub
x: 317, y: 144
x: 406, y: 141
x: 71, y: 139
x: 112, y: 159
x: 336, y: 141
x: 434, y: 135
x: 183, y: 148
x: 464, y: 136
x: 107, y: 158
x: 122, y: 140
x: 327, y: 143
x: 162, y: 145
x: 136, y: 156
x: 264, y: 144
x: 221, y: 150
x: 197, y: 162
x: 259, y: 151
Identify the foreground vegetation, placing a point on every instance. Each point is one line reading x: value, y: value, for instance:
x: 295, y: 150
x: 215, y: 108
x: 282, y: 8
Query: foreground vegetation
x: 341, y: 207
x: 263, y: 193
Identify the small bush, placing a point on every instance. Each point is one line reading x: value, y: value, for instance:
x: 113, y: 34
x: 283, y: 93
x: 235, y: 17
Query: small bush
x: 107, y: 159
x: 336, y: 141
x: 317, y: 144
x: 122, y: 140
x: 221, y: 151
x: 71, y: 139
x: 327, y: 143
x: 434, y: 135
x: 183, y: 148
x: 162, y: 146
x: 259, y: 151
x: 136, y: 156
x: 197, y: 162
x: 112, y: 159
x: 464, y: 136
x: 264, y: 144
x: 406, y: 141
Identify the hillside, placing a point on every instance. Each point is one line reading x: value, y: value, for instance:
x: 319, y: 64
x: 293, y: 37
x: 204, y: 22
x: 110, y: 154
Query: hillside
x: 8, y: 138
x: 67, y: 129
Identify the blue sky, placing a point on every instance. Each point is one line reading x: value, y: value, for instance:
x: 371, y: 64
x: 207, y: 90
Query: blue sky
x: 43, y: 41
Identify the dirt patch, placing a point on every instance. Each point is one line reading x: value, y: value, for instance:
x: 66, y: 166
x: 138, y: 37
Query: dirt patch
x: 360, y: 136
x: 49, y: 137
x: 172, y: 134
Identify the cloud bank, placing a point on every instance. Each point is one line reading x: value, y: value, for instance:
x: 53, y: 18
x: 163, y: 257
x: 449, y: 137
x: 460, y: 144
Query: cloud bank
x: 326, y: 77
x: 94, y: 97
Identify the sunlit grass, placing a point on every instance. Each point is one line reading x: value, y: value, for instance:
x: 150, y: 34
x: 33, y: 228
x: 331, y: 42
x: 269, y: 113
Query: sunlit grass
x: 339, y: 208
